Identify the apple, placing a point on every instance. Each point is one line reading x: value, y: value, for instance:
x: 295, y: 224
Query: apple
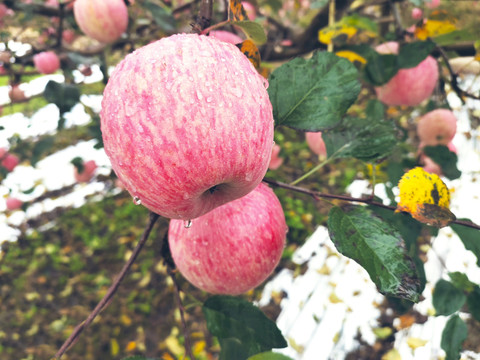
x: 187, y: 124
x: 432, y: 4
x: 9, y: 161
x: 417, y: 13
x: 316, y: 143
x: 409, y: 86
x: 16, y: 94
x: 226, y: 36
x: 250, y: 10
x: 68, y: 36
x: 14, y: 203
x: 104, y: 20
x: 275, y: 160
x: 437, y: 127
x: 86, y: 175
x: 46, y: 62
x: 3, y: 11
x: 234, y: 247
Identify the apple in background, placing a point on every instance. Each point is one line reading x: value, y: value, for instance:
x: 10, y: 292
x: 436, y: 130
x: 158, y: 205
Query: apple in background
x: 432, y: 4
x: 234, y: 247
x: 3, y: 11
x: 9, y: 161
x: 316, y: 143
x: 16, y: 94
x: 68, y: 36
x: 226, y: 36
x: 275, y: 160
x: 86, y: 175
x: 187, y: 124
x: 417, y: 13
x: 104, y: 20
x: 5, y: 56
x: 409, y: 86
x: 14, y: 203
x: 46, y: 62
x: 437, y: 127
x: 250, y: 10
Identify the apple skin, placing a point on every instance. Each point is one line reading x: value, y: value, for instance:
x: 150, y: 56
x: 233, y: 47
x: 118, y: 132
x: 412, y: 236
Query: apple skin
x: 86, y: 175
x: 275, y: 160
x: 104, y: 20
x: 417, y: 13
x: 13, y: 203
x: 316, y: 143
x: 10, y: 161
x: 250, y: 10
x: 187, y: 124
x: 234, y: 247
x: 226, y: 36
x: 46, y: 62
x: 409, y: 86
x: 437, y: 127
x: 16, y: 94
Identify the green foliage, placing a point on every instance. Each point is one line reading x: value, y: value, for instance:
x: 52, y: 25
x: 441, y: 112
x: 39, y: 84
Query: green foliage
x: 302, y: 94
x: 368, y: 139
x: 377, y: 247
x: 447, y: 160
x: 242, y: 329
x: 254, y: 31
x: 469, y: 238
x: 65, y: 96
x: 161, y: 16
x: 447, y: 299
x: 454, y: 334
x: 269, y: 356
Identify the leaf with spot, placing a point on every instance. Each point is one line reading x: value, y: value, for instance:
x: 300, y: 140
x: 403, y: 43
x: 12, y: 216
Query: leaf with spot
x: 250, y: 50
x: 378, y: 247
x: 236, y: 11
x: 313, y: 94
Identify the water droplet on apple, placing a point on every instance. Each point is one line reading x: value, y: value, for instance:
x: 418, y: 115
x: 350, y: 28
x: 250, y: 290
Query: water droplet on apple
x: 209, y: 99
x: 136, y: 200
x: 199, y: 95
x: 190, y: 78
x: 222, y: 59
x: 237, y: 92
x: 248, y: 177
x: 187, y: 224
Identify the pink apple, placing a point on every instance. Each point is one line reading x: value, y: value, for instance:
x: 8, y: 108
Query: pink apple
x: 3, y: 153
x: 452, y: 147
x: 68, y: 36
x: 226, y: 36
x: 85, y: 70
x: 432, y: 4
x: 275, y: 160
x: 3, y: 11
x: 409, y: 86
x: 10, y: 161
x: 187, y: 124
x: 46, y: 62
x: 14, y: 203
x: 250, y: 10
x: 233, y: 248
x: 104, y: 21
x: 430, y: 166
x: 437, y: 127
x: 315, y: 143
x: 86, y: 175
x: 5, y: 56
x: 417, y: 13
x: 16, y: 94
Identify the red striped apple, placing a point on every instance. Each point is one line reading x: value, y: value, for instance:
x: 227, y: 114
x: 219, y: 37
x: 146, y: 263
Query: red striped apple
x: 104, y: 20
x: 46, y: 62
x: 234, y: 247
x: 409, y: 86
x: 13, y: 203
x: 315, y: 143
x: 437, y: 127
x: 187, y: 124
x: 86, y: 175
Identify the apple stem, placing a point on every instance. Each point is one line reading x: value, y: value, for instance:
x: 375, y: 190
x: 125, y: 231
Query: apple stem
x: 111, y: 291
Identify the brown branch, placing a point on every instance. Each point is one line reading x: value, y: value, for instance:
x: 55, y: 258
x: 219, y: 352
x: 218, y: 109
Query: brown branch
x: 369, y: 200
x: 111, y: 291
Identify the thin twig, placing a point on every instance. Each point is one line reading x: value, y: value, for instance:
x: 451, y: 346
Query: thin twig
x: 111, y: 291
x: 318, y: 195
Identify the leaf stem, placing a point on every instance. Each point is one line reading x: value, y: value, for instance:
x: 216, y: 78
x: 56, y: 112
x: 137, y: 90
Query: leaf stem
x: 111, y: 291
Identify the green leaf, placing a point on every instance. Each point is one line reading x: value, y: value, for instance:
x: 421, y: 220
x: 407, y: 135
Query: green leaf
x: 445, y: 158
x: 366, y: 139
x: 313, y: 94
x: 447, y: 299
x: 381, y: 68
x: 455, y: 37
x: 412, y: 54
x: 461, y: 281
x: 232, y: 349
x: 473, y: 301
x: 253, y: 30
x: 65, y: 96
x: 78, y: 163
x: 245, y: 326
x: 454, y: 334
x: 161, y: 16
x: 41, y: 148
x: 377, y: 247
x: 470, y: 238
x: 137, y: 357
x: 269, y: 356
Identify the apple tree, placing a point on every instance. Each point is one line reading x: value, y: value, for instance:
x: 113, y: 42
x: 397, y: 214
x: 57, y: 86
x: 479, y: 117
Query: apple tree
x: 232, y: 129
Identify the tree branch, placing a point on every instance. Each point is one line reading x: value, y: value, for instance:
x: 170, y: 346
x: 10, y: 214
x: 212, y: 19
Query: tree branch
x: 111, y: 291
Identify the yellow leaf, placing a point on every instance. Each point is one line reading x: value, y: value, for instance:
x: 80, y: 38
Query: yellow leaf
x: 414, y: 343
x: 426, y: 197
x: 351, y: 56
x: 237, y: 11
x: 199, y: 347
x: 392, y: 355
x: 431, y: 28
x: 132, y: 345
x: 383, y: 332
x: 125, y: 319
x: 336, y: 32
x: 250, y: 50
x: 114, y: 347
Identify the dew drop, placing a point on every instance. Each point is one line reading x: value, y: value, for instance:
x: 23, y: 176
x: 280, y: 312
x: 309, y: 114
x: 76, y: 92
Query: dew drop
x: 187, y: 224
x: 273, y: 142
x: 222, y: 59
x: 237, y: 92
x: 248, y: 177
x: 209, y: 99
x: 199, y: 95
x: 136, y: 200
x: 190, y: 78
